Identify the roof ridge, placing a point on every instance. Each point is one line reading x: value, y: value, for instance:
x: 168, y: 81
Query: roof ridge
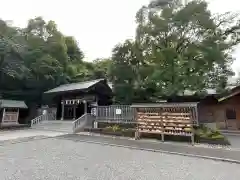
x: 82, y: 82
x: 75, y: 86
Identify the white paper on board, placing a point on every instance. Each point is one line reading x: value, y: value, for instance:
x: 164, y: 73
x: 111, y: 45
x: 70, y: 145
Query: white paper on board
x: 118, y: 111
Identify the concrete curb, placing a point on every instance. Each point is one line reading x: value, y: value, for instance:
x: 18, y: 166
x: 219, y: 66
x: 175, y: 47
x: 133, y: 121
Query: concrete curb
x: 162, y: 151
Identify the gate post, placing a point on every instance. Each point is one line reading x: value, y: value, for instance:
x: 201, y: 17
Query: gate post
x: 85, y: 106
x: 62, y: 102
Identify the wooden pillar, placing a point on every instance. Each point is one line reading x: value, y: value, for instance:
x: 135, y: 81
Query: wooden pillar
x: 3, y: 115
x: 74, y: 111
x: 85, y: 106
x: 62, y: 102
x: 17, y: 115
x: 85, y: 109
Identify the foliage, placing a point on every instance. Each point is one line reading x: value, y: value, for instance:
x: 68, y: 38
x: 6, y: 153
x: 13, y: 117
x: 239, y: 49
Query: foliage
x: 176, y: 48
x: 205, y: 132
x: 36, y: 58
x: 114, y: 128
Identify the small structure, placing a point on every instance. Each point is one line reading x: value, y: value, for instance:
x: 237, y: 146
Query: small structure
x: 226, y: 112
x: 75, y: 99
x: 221, y: 111
x: 217, y: 111
x: 9, y: 111
x: 166, y: 119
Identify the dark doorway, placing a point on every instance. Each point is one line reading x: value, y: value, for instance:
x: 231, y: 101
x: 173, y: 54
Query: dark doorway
x: 59, y: 110
x: 79, y: 110
x: 68, y: 112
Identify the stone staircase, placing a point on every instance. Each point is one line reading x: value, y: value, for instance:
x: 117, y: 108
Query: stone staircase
x: 54, y: 125
x: 44, y: 123
x: 85, y: 121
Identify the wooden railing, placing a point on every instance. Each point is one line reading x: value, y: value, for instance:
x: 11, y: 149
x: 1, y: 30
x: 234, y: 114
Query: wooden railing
x: 85, y: 120
x: 39, y: 119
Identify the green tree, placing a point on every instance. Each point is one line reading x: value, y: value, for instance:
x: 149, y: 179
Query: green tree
x: 43, y: 52
x: 177, y: 48
x: 11, y: 61
x: 101, y: 68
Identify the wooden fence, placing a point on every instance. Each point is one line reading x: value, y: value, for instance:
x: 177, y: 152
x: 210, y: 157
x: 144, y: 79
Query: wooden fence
x: 115, y: 114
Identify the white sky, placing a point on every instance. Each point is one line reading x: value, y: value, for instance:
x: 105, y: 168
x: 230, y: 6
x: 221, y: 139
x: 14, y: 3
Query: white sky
x: 97, y: 25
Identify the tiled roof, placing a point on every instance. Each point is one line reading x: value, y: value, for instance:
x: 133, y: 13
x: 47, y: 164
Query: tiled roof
x: 4, y: 103
x: 165, y: 104
x: 74, y: 86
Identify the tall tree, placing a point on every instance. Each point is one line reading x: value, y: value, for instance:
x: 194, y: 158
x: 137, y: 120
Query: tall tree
x: 11, y: 61
x: 181, y: 47
x: 122, y: 72
x: 102, y: 68
x: 44, y: 53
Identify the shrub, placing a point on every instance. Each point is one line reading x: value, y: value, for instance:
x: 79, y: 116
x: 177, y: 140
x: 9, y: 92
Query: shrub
x: 205, y: 132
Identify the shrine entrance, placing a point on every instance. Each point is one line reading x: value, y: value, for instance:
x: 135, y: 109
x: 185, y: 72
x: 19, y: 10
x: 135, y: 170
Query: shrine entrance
x: 73, y: 109
x: 68, y: 112
x: 76, y: 99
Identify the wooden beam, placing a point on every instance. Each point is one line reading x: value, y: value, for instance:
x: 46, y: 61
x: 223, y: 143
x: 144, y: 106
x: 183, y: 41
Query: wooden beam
x: 229, y: 96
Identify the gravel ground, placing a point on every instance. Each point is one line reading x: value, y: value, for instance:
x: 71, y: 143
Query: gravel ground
x: 59, y: 159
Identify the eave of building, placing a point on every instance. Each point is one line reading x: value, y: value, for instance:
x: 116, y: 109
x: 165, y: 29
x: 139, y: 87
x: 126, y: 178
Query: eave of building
x: 5, y: 103
x: 75, y: 86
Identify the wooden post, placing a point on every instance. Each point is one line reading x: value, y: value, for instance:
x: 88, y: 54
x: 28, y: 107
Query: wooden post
x: 85, y: 106
x: 74, y: 112
x: 162, y: 126
x: 3, y: 116
x: 62, y: 102
x: 162, y: 136
x: 17, y: 114
x: 196, y: 111
x: 137, y: 134
x: 85, y: 109
x: 192, y: 138
x: 95, y: 124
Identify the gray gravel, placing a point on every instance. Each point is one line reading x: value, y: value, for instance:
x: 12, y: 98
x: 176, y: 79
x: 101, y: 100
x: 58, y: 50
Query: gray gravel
x: 59, y: 159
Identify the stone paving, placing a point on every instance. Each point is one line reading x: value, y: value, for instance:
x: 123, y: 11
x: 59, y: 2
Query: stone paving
x: 56, y: 155
x: 24, y: 133
x: 61, y: 159
x: 232, y: 155
x: 234, y: 140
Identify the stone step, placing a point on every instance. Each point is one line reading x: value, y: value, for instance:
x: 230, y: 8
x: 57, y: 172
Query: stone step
x: 61, y: 126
